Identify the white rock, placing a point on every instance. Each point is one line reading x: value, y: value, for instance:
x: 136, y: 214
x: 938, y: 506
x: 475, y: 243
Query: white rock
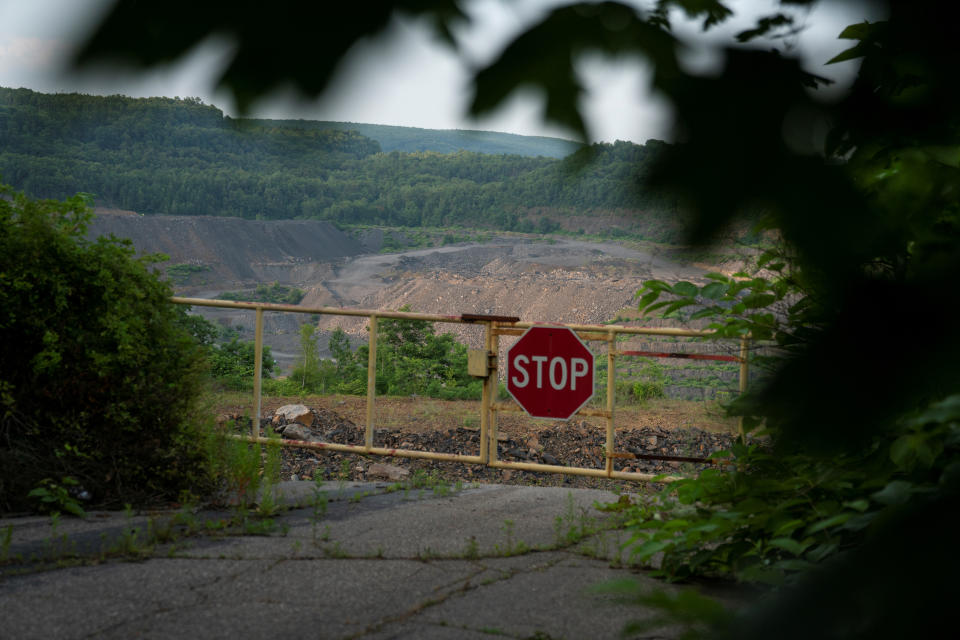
x: 295, y: 413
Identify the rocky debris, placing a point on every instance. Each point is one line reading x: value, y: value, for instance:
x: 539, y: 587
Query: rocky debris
x: 574, y: 444
x: 297, y: 422
x: 379, y: 470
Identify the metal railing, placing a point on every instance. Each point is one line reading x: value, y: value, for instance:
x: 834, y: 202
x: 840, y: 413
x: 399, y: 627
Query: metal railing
x: 494, y: 327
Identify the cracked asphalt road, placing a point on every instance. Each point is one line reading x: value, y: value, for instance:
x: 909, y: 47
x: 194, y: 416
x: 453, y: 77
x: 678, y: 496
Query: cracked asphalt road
x: 347, y: 560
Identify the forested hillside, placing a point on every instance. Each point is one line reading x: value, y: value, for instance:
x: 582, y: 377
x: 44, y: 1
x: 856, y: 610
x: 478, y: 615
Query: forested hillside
x: 413, y: 139
x: 180, y: 156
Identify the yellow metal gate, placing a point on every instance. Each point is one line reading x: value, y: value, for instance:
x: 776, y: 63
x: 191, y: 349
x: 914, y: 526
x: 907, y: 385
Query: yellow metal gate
x: 494, y: 327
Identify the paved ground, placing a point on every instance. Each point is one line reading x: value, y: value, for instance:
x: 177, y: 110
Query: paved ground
x: 351, y: 562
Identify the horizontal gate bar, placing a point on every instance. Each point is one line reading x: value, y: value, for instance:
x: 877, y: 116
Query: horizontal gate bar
x: 581, y: 471
x: 677, y: 354
x: 625, y: 455
x: 456, y: 457
x: 352, y: 448
x: 606, y: 328
x: 336, y: 311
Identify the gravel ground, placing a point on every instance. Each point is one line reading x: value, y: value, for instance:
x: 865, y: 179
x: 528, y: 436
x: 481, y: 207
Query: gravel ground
x: 575, y: 444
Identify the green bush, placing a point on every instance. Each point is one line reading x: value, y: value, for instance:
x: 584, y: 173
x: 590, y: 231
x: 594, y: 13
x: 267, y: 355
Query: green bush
x: 232, y: 364
x: 644, y: 390
x: 275, y: 293
x: 99, y: 375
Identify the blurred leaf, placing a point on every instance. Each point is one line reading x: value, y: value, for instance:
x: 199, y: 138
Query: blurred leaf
x: 765, y: 25
x: 713, y: 291
x: 289, y: 43
x: 543, y: 57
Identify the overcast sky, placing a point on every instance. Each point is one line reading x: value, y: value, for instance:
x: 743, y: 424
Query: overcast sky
x: 424, y: 84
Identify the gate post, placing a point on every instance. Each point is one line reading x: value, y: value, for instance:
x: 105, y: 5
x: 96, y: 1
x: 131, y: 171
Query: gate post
x: 485, y: 396
x: 611, y: 395
x: 371, y: 381
x: 494, y: 389
x: 257, y: 372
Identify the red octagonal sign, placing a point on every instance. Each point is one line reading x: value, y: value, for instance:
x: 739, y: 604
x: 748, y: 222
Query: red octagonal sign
x: 550, y: 372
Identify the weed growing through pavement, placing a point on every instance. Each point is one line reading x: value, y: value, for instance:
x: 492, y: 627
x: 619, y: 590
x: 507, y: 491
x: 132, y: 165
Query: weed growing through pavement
x: 343, y: 475
x: 259, y: 526
x: 269, y: 505
x: 320, y: 504
x: 128, y: 543
x: 510, y: 548
x: 570, y: 527
x: 161, y: 530
x: 472, y: 549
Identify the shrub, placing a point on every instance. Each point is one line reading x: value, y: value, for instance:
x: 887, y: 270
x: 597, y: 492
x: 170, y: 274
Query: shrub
x: 99, y: 375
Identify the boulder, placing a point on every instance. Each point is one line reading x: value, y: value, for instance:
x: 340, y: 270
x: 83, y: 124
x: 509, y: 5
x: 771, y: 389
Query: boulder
x: 297, y: 431
x: 387, y: 471
x: 294, y: 413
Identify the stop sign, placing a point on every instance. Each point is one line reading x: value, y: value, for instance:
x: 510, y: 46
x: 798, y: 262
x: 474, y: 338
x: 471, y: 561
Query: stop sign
x: 550, y: 372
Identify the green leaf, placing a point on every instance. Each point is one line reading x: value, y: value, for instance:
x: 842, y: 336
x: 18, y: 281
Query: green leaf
x: 651, y: 547
x: 685, y: 289
x: 676, y: 305
x: 719, y: 277
x: 896, y: 492
x: 790, y: 545
x: 859, y: 522
x: 858, y: 31
x: 706, y: 313
x: 832, y: 521
x: 656, y: 285
x: 788, y: 527
x: 947, y: 410
x: 852, y: 53
x: 648, y: 298
x: 860, y: 505
x: 758, y: 300
x: 822, y: 551
x: 913, y: 448
x: 714, y: 290
x: 657, y: 305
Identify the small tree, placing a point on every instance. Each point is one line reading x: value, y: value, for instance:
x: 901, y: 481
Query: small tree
x: 339, y: 347
x: 308, y: 371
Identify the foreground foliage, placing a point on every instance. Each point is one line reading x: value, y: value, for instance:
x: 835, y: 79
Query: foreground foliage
x: 99, y: 375
x: 770, y: 517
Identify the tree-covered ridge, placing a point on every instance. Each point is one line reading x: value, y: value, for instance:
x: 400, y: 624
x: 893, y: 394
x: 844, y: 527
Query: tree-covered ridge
x: 412, y: 139
x: 179, y: 156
